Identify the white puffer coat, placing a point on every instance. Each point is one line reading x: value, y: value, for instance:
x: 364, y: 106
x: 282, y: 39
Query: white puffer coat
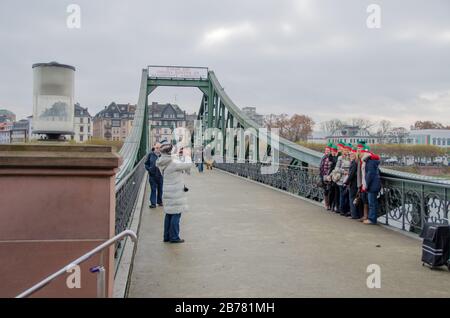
x: 174, y: 197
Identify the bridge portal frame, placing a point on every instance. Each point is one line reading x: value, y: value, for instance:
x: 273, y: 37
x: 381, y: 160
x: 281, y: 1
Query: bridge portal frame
x: 213, y: 112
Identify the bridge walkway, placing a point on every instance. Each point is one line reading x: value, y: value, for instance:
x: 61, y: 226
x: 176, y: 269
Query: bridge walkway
x: 247, y: 240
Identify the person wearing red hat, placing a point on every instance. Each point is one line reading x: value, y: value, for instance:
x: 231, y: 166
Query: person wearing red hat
x: 351, y: 183
x: 340, y: 147
x: 371, y: 184
x: 334, y: 189
x: 362, y: 147
x: 324, y: 170
x: 339, y: 175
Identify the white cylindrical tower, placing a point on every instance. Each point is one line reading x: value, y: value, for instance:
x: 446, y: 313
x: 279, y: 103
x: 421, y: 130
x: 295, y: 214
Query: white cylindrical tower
x: 53, y: 99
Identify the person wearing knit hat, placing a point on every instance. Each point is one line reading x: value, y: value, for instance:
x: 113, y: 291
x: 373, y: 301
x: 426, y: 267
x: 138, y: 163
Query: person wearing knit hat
x: 340, y: 173
x: 371, y: 184
x: 334, y: 189
x: 154, y: 177
x: 326, y: 166
x: 351, y: 183
x: 365, y: 149
x: 166, y: 147
x: 327, y: 148
x: 174, y: 191
x: 360, y: 172
x: 348, y: 147
x: 340, y: 146
x: 361, y: 145
x: 334, y: 148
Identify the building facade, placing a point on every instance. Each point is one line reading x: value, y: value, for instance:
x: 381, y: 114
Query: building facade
x: 252, y: 114
x: 20, y: 131
x: 317, y: 137
x: 190, y: 121
x: 6, y: 115
x: 83, y: 124
x: 163, y: 119
x: 114, y: 122
x: 5, y: 132
x: 434, y: 137
x: 352, y: 134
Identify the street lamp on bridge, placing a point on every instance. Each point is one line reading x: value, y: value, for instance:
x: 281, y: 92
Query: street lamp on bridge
x: 53, y: 100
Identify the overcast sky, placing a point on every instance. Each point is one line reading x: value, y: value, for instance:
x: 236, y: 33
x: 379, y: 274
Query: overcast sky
x: 310, y: 57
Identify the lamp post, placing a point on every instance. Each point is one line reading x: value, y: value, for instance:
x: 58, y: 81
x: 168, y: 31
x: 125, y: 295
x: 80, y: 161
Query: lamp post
x: 53, y: 100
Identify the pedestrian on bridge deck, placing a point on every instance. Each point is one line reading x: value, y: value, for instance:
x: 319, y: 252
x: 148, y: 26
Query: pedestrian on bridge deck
x: 340, y: 174
x: 334, y: 189
x: 362, y: 148
x: 324, y: 171
x: 351, y: 183
x: 154, y: 176
x: 372, y: 184
x: 175, y: 200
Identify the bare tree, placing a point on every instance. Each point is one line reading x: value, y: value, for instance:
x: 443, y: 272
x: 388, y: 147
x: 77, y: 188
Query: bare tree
x: 384, y: 127
x: 362, y: 123
x: 330, y: 126
x: 277, y: 121
x: 384, y: 130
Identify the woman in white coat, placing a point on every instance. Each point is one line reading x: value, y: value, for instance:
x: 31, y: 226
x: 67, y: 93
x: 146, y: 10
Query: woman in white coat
x: 174, y: 190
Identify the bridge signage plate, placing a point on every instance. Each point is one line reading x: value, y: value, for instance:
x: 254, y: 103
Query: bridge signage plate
x: 178, y: 72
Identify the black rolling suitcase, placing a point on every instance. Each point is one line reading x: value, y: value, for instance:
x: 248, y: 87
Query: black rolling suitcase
x: 436, y: 244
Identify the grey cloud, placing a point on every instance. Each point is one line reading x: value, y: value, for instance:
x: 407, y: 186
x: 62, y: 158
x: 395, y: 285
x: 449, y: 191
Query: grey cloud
x: 312, y: 57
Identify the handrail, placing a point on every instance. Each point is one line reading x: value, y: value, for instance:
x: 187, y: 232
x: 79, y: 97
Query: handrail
x: 128, y: 176
x: 79, y: 260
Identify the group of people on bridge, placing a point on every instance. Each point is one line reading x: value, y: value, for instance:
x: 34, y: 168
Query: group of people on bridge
x: 350, y: 177
x: 168, y: 189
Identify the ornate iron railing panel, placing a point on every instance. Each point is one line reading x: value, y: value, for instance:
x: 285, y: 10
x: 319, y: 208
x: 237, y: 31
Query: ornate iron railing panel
x: 409, y: 204
x: 126, y: 197
x: 404, y: 204
x: 302, y: 181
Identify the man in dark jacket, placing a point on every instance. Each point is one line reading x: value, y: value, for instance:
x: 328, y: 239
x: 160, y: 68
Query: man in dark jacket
x: 352, y: 184
x: 325, y: 169
x: 373, y: 186
x: 155, y: 177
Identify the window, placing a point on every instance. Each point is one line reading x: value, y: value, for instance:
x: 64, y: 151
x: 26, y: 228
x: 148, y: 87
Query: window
x: 81, y: 128
x: 89, y: 129
x: 81, y: 137
x: 81, y: 120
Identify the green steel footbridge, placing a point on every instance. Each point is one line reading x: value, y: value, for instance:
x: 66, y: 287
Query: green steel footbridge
x: 406, y: 200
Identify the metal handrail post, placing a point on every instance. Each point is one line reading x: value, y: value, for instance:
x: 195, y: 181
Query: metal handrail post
x: 101, y: 280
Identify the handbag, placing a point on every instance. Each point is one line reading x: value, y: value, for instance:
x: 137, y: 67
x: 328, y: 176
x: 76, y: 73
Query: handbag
x: 357, y: 199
